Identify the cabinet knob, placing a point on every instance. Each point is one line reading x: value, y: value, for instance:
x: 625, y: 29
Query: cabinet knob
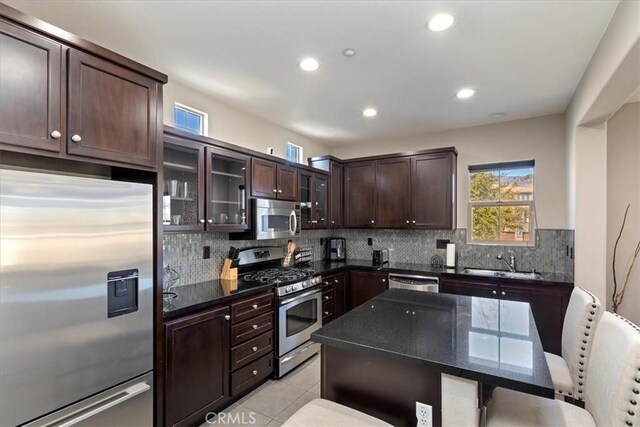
x: 326, y: 282
x: 503, y: 293
x: 322, y: 219
x: 326, y: 297
x: 333, y: 222
x: 335, y: 280
x: 275, y: 190
x: 254, y: 326
x: 326, y: 313
x: 494, y: 292
x: 254, y: 372
x: 414, y: 221
x: 202, y: 221
x: 407, y: 221
x: 255, y: 306
x: 254, y: 349
x: 314, y: 222
x: 384, y: 280
x: 55, y: 134
x: 373, y: 222
x: 279, y: 191
x: 210, y: 221
x: 76, y: 138
x: 227, y: 317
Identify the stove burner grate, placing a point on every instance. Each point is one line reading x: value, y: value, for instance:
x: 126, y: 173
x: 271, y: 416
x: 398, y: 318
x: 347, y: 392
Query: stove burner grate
x: 277, y: 275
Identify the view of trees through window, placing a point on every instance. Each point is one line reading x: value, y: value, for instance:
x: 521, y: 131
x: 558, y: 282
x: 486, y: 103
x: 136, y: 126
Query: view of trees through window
x: 501, y: 201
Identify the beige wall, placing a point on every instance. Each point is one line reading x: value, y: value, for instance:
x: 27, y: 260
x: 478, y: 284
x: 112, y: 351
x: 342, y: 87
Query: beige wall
x: 610, y: 77
x: 540, y: 138
x: 232, y: 125
x: 623, y: 188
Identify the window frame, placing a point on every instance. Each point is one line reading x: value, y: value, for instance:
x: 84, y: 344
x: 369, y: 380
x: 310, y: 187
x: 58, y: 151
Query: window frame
x: 300, y: 150
x: 530, y: 203
x: 204, y: 118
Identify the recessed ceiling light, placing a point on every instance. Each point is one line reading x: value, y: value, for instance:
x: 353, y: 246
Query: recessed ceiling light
x: 369, y: 112
x: 349, y: 52
x: 440, y: 22
x: 497, y: 115
x: 309, y: 64
x: 465, y: 93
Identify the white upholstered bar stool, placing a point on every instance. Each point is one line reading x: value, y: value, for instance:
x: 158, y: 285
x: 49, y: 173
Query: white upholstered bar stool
x: 325, y: 413
x: 569, y: 372
x: 612, y: 394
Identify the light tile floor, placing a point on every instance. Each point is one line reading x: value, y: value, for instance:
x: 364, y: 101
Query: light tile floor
x: 276, y: 400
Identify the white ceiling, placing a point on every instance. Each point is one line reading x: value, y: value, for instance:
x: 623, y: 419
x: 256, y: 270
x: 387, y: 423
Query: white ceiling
x: 523, y: 57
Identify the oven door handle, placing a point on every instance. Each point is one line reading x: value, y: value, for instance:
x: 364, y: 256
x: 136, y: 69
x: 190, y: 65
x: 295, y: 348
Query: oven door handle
x: 297, y: 297
x: 293, y: 223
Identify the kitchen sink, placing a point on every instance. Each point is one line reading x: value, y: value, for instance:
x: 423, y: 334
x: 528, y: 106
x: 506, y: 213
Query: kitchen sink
x: 501, y: 273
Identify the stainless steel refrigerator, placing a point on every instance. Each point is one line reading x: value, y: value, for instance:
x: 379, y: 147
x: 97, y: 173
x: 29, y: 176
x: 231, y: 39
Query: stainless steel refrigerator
x: 76, y: 280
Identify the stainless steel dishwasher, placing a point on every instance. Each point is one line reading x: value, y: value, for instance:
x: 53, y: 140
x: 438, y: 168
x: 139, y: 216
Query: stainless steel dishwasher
x: 414, y: 282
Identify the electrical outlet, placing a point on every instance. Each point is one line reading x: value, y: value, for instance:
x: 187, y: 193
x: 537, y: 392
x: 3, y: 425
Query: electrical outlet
x: 206, y: 252
x: 370, y: 241
x: 323, y: 241
x: 424, y: 414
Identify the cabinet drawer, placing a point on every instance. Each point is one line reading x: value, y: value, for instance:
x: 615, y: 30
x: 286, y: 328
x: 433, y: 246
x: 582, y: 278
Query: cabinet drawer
x: 252, y: 307
x: 327, y: 296
x: 251, y: 328
x: 251, y: 350
x: 245, y: 378
x: 327, y: 313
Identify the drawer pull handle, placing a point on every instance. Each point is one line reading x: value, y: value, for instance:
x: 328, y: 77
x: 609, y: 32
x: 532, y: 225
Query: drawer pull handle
x: 326, y: 313
x: 335, y: 280
x: 227, y: 317
x: 326, y: 297
x: 503, y: 293
x: 255, y: 326
x: 254, y: 349
x: 255, y: 306
x: 254, y: 372
x: 494, y: 292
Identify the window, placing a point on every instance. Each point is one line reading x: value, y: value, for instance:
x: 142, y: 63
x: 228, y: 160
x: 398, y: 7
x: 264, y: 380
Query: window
x: 501, y: 203
x: 294, y: 153
x: 189, y: 119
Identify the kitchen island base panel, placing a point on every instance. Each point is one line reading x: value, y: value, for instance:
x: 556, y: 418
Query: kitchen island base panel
x: 379, y: 386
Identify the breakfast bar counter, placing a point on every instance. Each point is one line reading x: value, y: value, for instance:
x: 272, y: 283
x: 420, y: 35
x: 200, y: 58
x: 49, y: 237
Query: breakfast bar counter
x: 392, y: 351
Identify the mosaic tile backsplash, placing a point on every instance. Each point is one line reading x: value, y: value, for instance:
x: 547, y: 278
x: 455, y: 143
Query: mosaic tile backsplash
x: 183, y: 251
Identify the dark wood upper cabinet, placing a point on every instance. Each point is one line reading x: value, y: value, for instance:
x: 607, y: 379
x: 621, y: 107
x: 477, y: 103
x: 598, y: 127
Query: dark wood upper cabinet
x: 360, y: 194
x: 273, y: 180
x: 227, y: 198
x: 364, y: 285
x: 264, y: 178
x: 336, y: 208
x: 197, y: 366
x: 432, y: 191
x: 112, y: 111
x: 31, y: 101
x: 287, y: 183
x: 393, y: 187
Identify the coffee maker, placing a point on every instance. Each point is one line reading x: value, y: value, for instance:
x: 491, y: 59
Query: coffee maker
x: 336, y: 249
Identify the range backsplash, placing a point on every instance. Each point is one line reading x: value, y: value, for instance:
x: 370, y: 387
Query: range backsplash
x: 183, y: 251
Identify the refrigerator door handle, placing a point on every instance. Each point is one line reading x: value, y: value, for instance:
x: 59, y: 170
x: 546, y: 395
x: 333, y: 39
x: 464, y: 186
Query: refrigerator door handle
x: 102, y: 406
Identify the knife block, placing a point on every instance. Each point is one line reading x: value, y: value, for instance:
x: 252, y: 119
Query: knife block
x: 227, y: 272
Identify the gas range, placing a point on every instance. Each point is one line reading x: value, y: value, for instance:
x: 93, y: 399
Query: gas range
x: 287, y: 280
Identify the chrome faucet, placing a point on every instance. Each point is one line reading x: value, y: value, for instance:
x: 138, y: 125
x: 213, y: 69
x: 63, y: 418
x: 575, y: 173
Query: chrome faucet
x: 511, y: 263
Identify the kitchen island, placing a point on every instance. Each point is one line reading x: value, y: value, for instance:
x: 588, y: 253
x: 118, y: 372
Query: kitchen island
x: 403, y: 347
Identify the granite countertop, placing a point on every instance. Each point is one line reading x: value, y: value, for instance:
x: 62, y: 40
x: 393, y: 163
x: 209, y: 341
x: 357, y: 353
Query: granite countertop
x: 327, y: 267
x: 196, y: 296
x: 487, y: 340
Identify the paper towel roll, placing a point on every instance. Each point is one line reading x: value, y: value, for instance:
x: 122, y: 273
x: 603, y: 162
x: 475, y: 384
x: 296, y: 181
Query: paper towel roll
x: 451, y: 255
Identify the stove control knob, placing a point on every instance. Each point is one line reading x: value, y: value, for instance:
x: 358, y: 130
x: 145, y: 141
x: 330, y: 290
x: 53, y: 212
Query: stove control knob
x: 288, y: 288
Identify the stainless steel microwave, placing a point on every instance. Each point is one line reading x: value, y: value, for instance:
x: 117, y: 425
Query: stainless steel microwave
x: 275, y: 219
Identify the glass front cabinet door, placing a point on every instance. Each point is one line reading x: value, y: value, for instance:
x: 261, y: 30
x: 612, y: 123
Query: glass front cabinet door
x: 227, y: 196
x: 306, y: 190
x: 320, y: 202
x: 182, y: 201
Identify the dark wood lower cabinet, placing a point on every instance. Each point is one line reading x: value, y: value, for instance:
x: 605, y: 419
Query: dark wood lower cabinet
x: 334, y: 297
x: 364, y: 285
x: 548, y: 303
x: 197, y: 366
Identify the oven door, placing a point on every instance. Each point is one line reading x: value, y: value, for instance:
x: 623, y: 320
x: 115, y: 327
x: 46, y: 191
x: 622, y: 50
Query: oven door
x: 298, y: 317
x: 276, y: 219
